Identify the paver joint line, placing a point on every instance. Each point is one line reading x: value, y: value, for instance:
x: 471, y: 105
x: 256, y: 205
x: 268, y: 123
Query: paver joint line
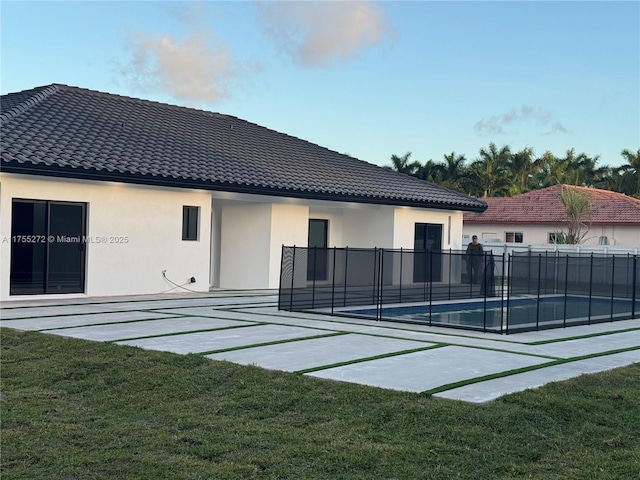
x: 469, y: 366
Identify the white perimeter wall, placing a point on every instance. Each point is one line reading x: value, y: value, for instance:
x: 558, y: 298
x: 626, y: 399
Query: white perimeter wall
x: 150, y: 218
x: 538, y: 234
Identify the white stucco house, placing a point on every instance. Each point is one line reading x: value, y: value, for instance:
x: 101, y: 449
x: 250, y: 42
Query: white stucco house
x: 536, y: 217
x: 108, y: 195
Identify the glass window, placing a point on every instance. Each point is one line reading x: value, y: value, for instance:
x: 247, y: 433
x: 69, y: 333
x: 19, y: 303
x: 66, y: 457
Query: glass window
x: 318, y: 265
x: 190, y: 216
x: 513, y: 237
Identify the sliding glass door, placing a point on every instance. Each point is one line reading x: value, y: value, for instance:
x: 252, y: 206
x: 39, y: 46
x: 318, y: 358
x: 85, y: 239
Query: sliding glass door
x: 427, y: 258
x: 47, y: 247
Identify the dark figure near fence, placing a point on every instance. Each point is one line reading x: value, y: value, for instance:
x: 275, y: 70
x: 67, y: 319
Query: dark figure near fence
x: 475, y: 258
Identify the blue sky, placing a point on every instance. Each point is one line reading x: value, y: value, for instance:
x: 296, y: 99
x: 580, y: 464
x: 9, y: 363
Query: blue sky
x: 370, y: 79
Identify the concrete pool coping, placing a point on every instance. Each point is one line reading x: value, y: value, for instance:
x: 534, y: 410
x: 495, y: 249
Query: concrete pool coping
x: 245, y: 327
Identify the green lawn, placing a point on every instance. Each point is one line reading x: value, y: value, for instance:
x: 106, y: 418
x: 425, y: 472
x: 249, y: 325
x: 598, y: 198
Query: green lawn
x: 73, y: 410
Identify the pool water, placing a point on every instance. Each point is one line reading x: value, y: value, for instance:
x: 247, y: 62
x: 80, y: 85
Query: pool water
x: 517, y: 313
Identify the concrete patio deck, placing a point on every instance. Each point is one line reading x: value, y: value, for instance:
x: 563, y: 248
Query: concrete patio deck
x: 245, y: 327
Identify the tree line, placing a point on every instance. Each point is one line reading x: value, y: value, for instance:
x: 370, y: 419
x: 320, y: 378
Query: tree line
x: 501, y: 172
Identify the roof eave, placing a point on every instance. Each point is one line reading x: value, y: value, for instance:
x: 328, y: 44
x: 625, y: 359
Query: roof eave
x: 173, y: 182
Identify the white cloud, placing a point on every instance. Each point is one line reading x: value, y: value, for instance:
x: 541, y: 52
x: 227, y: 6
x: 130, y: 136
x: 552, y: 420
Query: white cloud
x: 525, y: 115
x: 190, y: 70
x: 316, y: 33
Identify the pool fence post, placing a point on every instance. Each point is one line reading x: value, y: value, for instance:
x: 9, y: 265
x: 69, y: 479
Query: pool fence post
x: 529, y: 271
x: 346, y: 266
x: 626, y: 276
x: 424, y: 281
x: 380, y: 275
x: 375, y: 271
x: 566, y: 287
x: 400, y: 288
x: 502, y: 279
x: 449, y: 294
x: 590, y: 287
x: 281, y: 274
x: 613, y: 281
x: 555, y: 272
x: 538, y: 301
x: 469, y: 259
x: 333, y: 281
x: 430, y: 284
x: 509, y: 286
x: 293, y: 276
x: 635, y: 286
x: 315, y: 266
x: 546, y: 265
x: 484, y: 282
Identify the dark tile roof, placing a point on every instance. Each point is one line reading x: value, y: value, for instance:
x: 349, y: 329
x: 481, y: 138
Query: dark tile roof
x: 545, y: 207
x: 77, y: 133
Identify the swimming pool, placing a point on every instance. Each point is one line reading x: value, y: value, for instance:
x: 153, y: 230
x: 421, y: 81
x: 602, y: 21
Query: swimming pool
x: 501, y: 315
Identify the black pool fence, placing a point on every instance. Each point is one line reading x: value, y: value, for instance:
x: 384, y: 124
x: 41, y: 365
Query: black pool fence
x: 515, y: 292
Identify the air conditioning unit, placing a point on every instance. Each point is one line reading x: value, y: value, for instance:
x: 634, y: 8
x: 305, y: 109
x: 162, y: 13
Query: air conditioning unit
x: 603, y: 240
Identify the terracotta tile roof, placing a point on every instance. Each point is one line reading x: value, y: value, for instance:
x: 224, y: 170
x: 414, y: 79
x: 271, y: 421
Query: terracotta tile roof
x: 545, y: 207
x: 77, y: 133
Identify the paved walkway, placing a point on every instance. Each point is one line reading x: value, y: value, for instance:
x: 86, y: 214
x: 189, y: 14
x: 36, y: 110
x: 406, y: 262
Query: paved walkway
x: 246, y: 328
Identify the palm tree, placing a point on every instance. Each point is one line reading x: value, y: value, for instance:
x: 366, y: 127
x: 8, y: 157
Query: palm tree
x: 523, y: 166
x: 402, y: 165
x: 631, y: 173
x: 451, y: 172
x: 572, y: 169
x: 577, y: 204
x: 610, y: 180
x: 489, y: 174
x: 429, y: 172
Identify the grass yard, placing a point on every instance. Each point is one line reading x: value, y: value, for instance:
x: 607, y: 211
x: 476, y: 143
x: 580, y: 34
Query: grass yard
x: 79, y: 410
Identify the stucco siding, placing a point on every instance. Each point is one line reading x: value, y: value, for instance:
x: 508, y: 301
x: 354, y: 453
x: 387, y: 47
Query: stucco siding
x: 406, y: 218
x: 368, y: 227
x: 245, y: 245
x: 289, y: 227
x: 134, y: 232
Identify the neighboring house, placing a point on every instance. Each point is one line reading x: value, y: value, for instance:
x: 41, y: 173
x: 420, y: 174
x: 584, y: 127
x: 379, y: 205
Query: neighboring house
x: 108, y: 195
x: 536, y: 218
